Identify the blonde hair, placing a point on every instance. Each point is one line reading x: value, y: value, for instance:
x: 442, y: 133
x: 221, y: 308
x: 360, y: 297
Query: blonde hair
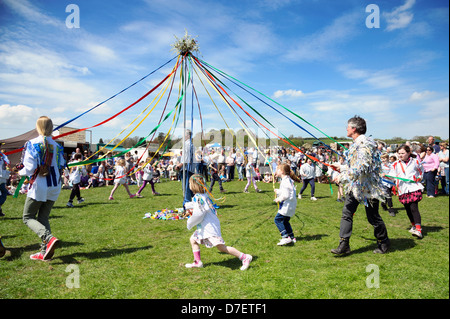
x: 44, y: 126
x: 384, y: 156
x: 197, y: 184
x: 121, y: 162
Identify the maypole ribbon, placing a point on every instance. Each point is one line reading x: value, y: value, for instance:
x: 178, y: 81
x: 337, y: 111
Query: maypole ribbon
x: 143, y: 139
x: 254, y: 110
x: 295, y: 123
x: 125, y: 151
x: 217, y: 109
x: 110, y: 98
x: 160, y: 146
x: 117, y: 114
x: 162, y: 115
x: 231, y: 108
x: 295, y: 114
x: 73, y: 119
x: 159, y: 122
x: 403, y: 179
x: 295, y: 147
x: 118, y: 144
x: 233, y: 111
x: 19, y: 186
x: 139, y: 124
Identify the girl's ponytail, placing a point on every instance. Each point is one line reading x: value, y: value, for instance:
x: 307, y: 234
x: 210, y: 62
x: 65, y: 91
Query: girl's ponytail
x: 295, y: 177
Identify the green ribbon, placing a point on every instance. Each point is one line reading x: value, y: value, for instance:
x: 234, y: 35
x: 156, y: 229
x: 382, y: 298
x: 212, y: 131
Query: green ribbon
x: 19, y: 186
x: 295, y: 114
x: 402, y: 179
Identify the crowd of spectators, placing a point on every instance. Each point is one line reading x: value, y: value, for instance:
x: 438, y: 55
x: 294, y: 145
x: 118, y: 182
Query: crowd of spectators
x: 231, y: 164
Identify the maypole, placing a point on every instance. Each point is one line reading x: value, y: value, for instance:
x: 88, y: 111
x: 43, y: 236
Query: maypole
x: 184, y: 47
x: 184, y: 126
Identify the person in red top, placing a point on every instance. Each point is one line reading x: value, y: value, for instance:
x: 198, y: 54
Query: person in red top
x: 430, y: 165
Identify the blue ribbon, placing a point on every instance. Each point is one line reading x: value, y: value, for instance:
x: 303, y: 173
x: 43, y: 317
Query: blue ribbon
x: 69, y: 121
x: 296, y: 124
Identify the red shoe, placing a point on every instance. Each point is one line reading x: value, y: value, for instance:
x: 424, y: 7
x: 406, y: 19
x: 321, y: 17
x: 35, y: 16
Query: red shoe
x: 50, y: 248
x: 37, y: 256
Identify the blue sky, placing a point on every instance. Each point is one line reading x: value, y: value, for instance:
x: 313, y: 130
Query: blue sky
x: 317, y: 58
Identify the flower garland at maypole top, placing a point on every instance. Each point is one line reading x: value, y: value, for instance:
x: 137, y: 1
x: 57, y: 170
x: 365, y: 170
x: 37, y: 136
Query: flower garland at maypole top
x: 185, y: 45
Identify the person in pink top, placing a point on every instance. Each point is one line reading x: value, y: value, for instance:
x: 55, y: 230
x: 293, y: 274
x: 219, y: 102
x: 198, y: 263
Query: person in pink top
x: 430, y: 165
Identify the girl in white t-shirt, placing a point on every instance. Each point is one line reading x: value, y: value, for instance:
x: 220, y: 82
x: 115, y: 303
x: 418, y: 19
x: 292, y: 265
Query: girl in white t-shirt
x: 204, y: 217
x: 75, y: 179
x: 120, y: 178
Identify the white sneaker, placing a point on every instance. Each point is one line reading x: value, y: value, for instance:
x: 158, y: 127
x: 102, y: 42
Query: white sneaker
x: 246, y: 262
x: 195, y: 265
x: 69, y: 204
x: 80, y: 200
x: 313, y: 198
x: 413, y: 229
x: 284, y: 241
x: 299, y: 196
x: 417, y: 233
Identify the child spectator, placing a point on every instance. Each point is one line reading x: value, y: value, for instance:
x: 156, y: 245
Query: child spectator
x: 120, y: 178
x: 250, y: 174
x: 75, y: 179
x: 386, y: 167
x: 308, y: 174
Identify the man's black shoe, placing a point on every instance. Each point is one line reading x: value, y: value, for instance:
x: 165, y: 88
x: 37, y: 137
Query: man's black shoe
x: 383, y: 246
x: 343, y: 248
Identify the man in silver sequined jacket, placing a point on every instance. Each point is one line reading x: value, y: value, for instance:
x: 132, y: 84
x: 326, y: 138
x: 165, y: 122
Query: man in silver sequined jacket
x: 362, y: 184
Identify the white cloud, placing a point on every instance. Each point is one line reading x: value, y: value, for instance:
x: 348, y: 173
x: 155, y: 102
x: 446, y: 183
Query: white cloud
x: 378, y: 79
x: 289, y: 93
x: 353, y: 73
x: 15, y: 116
x: 436, y: 108
x: 98, y: 51
x: 400, y: 17
x: 365, y: 104
x: 36, y: 59
x: 383, y: 80
x: 432, y: 119
x: 418, y: 96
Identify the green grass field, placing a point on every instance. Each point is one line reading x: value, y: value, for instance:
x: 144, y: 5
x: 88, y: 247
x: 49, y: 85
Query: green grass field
x: 118, y: 254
